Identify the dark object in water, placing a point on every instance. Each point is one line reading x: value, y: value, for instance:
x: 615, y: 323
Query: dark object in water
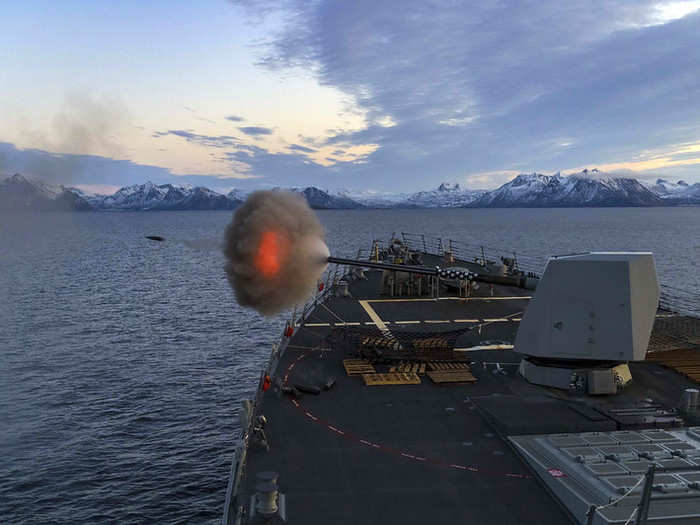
x: 155, y: 237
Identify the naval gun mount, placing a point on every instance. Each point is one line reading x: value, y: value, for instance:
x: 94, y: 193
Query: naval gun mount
x: 592, y: 313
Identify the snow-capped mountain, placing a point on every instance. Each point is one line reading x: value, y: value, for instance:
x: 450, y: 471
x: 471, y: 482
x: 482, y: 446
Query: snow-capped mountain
x: 665, y: 187
x: 445, y: 196
x: 322, y: 200
x: 677, y: 192
x: 587, y: 188
x: 373, y: 199
x: 94, y: 199
x: 20, y: 193
x: 150, y: 196
x: 238, y: 194
x: 690, y: 195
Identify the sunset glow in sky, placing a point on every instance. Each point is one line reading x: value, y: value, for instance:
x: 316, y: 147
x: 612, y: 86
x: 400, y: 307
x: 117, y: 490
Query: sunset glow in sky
x: 366, y: 95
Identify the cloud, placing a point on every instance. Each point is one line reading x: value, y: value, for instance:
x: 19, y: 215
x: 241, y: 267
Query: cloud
x: 100, y: 189
x: 197, y: 116
x: 213, y: 141
x: 255, y: 131
x: 290, y: 169
x: 678, y: 158
x: 502, y: 87
x: 303, y: 149
x: 234, y: 118
x: 97, y: 171
x: 487, y: 180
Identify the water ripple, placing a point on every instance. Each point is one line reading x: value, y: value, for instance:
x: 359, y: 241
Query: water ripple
x: 123, y: 361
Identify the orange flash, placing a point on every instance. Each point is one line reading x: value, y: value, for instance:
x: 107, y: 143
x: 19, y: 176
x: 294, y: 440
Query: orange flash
x: 272, y: 251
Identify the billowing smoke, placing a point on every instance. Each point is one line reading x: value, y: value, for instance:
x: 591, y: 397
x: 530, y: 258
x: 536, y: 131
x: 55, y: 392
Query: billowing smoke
x: 84, y: 127
x: 275, y: 251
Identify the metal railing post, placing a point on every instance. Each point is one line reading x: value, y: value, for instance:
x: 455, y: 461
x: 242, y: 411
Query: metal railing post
x: 590, y: 515
x: 643, y: 512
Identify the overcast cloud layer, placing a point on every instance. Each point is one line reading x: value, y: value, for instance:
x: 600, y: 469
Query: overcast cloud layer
x: 469, y: 92
x: 474, y: 87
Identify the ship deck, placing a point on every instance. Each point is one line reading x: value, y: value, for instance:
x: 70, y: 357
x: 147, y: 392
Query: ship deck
x: 423, y: 453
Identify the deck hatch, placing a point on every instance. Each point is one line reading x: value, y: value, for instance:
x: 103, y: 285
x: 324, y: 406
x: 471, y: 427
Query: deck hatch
x: 591, y: 480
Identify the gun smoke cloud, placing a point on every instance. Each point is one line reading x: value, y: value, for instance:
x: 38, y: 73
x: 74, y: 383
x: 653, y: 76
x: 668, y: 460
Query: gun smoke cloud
x: 85, y: 126
x: 275, y: 251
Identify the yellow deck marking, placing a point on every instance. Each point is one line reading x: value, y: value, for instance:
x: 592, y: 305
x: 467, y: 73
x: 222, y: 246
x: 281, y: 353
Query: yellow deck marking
x: 373, y: 315
x: 489, y: 298
x: 383, y: 324
x: 484, y: 347
x: 408, y: 300
x: 497, y: 298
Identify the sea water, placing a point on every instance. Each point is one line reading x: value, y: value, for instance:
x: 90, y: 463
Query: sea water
x: 123, y: 360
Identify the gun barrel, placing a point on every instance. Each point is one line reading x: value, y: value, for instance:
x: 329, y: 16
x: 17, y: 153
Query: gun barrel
x: 437, y: 271
x: 423, y: 270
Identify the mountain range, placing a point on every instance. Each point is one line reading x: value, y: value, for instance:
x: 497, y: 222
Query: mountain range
x: 538, y: 191
x: 585, y: 189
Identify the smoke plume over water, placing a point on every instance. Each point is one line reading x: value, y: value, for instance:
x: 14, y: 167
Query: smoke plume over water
x: 275, y: 251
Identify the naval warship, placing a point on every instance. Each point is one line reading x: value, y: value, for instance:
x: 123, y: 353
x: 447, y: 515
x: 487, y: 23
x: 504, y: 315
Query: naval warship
x: 430, y: 381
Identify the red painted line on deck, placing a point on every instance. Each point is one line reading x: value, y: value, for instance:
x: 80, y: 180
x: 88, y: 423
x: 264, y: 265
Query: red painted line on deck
x: 357, y: 439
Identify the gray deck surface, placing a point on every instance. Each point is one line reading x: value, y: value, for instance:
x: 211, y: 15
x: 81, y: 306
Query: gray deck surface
x: 422, y: 453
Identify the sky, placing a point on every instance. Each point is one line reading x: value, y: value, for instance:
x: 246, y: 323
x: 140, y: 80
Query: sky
x: 364, y: 95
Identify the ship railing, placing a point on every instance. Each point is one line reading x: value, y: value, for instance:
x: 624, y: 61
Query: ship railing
x: 330, y: 278
x: 672, y: 299
x: 472, y: 252
x: 642, y: 507
x: 231, y: 506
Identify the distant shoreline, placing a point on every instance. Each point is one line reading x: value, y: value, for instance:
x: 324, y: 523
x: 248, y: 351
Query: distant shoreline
x: 363, y: 209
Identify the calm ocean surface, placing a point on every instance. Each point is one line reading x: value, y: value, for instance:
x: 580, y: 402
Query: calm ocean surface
x: 123, y: 360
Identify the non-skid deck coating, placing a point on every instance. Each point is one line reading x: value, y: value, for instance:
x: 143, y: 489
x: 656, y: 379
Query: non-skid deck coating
x: 421, y: 453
